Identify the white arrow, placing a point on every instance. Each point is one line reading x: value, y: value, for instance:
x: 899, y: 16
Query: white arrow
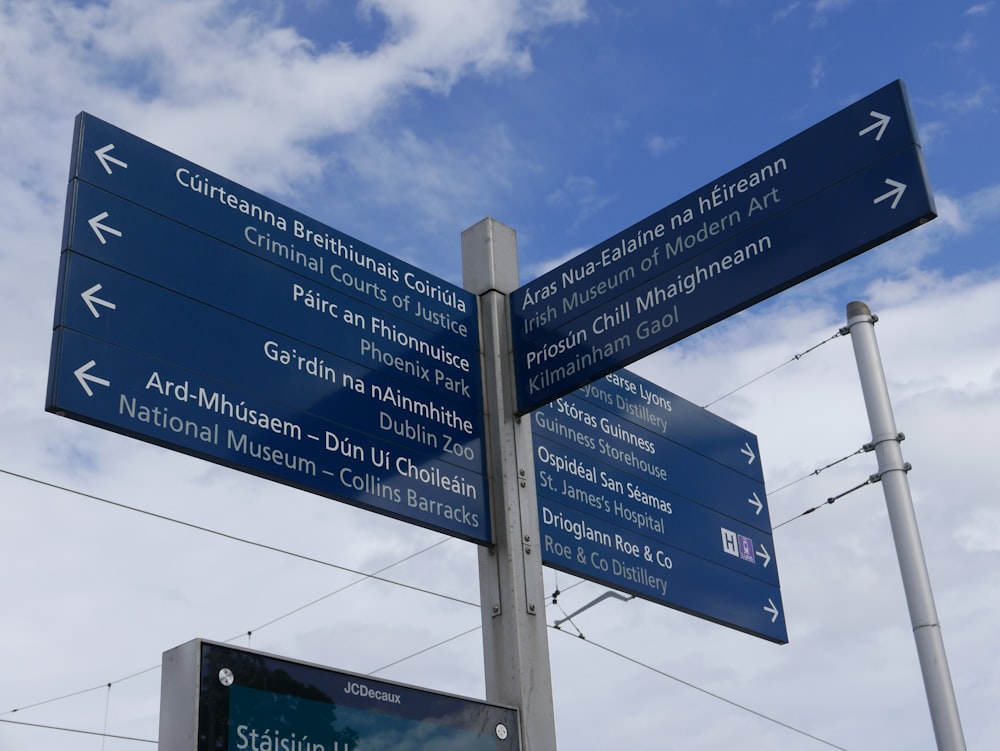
x: 95, y: 224
x: 880, y: 122
x: 82, y: 375
x: 897, y: 191
x: 107, y: 160
x: 748, y: 452
x: 764, y: 554
x: 89, y: 297
x: 755, y: 501
x: 772, y: 609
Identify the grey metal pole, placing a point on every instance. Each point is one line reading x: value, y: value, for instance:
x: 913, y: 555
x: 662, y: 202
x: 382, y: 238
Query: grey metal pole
x: 916, y: 582
x: 515, y: 642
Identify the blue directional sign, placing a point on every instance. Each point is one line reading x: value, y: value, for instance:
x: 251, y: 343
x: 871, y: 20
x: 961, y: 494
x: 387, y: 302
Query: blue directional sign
x: 683, y: 422
x: 845, y: 185
x: 127, y: 166
x: 233, y: 281
x: 191, y: 319
x: 648, y: 493
x: 219, y: 697
x: 311, y: 436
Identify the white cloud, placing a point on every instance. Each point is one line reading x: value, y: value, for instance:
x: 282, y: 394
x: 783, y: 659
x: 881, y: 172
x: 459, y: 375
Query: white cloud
x: 817, y: 72
x: 973, y: 100
x: 979, y: 9
x: 659, y: 145
x: 582, y: 194
x: 931, y: 132
x: 822, y: 8
x: 783, y: 13
x: 212, y: 80
x: 966, y: 42
x: 101, y: 591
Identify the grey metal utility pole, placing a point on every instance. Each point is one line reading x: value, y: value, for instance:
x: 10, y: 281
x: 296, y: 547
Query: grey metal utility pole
x: 515, y: 642
x: 916, y: 582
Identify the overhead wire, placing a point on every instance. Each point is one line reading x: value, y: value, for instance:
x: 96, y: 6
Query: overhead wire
x: 354, y: 583
x: 829, y: 501
x: 234, y: 538
x: 78, y: 730
x: 867, y: 447
x: 375, y: 576
x: 792, y: 359
x: 363, y: 577
x: 712, y: 694
x: 426, y: 649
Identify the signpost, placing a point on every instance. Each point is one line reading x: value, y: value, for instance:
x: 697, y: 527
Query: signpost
x: 650, y: 494
x: 198, y: 315
x: 835, y: 190
x: 216, y: 696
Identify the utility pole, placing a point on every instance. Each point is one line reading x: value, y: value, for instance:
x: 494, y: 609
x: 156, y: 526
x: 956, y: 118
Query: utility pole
x: 912, y: 565
x: 515, y: 642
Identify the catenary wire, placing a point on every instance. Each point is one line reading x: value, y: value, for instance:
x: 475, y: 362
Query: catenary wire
x: 614, y: 652
x: 234, y: 538
x: 337, y: 591
x: 77, y: 730
x: 829, y: 501
x: 380, y: 669
x: 634, y: 661
x: 792, y: 359
x: 862, y: 450
x: 363, y: 577
x: 374, y: 575
x: 712, y: 694
x: 426, y: 649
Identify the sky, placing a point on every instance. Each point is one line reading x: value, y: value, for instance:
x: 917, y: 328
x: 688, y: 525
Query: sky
x: 402, y: 123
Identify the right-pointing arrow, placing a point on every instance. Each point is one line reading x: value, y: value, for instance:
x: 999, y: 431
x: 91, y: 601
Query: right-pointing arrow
x: 772, y: 609
x: 100, y: 229
x: 881, y: 121
x: 83, y: 376
x: 755, y: 502
x: 90, y: 297
x: 896, y: 193
x: 762, y: 552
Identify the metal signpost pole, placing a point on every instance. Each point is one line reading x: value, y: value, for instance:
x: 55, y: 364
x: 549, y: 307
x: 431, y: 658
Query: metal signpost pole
x: 916, y: 583
x: 515, y: 642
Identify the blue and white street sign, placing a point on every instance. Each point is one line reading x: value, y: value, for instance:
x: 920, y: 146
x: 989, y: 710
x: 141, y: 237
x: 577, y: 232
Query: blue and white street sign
x: 249, y: 287
x: 158, y: 402
x: 183, y: 321
x: 830, y: 193
x: 127, y: 166
x: 645, y: 492
x: 664, y: 413
x: 182, y: 331
x: 588, y: 546
x: 584, y: 428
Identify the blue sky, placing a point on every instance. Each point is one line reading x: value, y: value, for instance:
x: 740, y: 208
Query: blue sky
x: 402, y: 123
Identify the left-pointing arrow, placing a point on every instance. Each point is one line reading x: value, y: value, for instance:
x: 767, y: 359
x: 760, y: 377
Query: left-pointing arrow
x: 85, y: 378
x: 100, y: 229
x: 772, y: 609
x: 107, y: 160
x: 895, y: 194
x: 90, y: 297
